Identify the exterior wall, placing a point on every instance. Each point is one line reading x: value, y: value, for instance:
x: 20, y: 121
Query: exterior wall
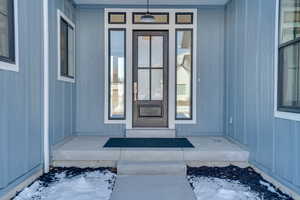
x: 210, y: 83
x: 21, y: 102
x: 62, y: 94
x: 274, y: 143
x: 90, y: 72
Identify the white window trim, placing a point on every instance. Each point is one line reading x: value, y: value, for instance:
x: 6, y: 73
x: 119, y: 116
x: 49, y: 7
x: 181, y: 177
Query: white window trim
x: 15, y: 66
x: 277, y: 113
x: 171, y: 27
x: 60, y: 15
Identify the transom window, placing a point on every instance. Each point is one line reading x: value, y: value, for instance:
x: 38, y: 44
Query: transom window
x: 7, y: 31
x: 159, y: 18
x: 66, y: 47
x: 117, y: 18
x: 184, y: 18
x: 289, y: 54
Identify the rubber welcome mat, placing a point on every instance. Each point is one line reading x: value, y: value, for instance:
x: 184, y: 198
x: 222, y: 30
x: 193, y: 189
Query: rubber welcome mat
x: 148, y: 143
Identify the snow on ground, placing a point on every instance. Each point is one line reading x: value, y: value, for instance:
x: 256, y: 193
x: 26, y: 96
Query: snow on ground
x: 86, y: 186
x: 221, y: 189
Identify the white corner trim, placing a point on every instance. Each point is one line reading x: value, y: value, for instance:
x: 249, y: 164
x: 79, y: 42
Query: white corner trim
x: 14, y: 66
x: 46, y: 86
x: 61, y: 15
x: 129, y: 29
x: 277, y: 113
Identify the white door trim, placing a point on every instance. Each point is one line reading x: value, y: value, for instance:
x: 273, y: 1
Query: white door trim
x: 171, y: 27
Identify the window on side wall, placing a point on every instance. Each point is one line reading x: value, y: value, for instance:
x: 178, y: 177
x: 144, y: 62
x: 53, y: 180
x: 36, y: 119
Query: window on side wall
x: 7, y: 36
x: 66, y: 48
x: 289, y: 55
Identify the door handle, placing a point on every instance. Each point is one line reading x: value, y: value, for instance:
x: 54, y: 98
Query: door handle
x: 135, y: 91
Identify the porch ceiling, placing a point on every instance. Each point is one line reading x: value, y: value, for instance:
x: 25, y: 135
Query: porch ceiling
x: 153, y: 2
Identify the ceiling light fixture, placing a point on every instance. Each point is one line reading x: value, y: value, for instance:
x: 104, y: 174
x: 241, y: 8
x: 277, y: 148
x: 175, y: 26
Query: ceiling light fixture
x: 147, y: 18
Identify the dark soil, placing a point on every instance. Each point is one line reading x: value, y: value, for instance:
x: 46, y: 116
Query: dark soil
x: 246, y: 176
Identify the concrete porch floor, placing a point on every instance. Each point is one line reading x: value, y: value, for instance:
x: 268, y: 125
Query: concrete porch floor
x: 88, y: 151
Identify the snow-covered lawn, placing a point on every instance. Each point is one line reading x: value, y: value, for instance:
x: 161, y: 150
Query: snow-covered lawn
x: 232, y: 183
x: 87, y: 185
x: 209, y: 183
x: 220, y: 189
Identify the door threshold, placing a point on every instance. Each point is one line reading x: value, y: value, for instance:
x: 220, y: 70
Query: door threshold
x: 151, y: 133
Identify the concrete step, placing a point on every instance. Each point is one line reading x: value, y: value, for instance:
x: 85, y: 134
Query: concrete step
x: 152, y: 188
x: 151, y: 133
x: 151, y: 168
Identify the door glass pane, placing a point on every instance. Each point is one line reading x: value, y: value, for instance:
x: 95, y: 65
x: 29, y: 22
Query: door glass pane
x: 184, y: 74
x: 117, y: 72
x: 289, y: 20
x: 290, y: 76
x: 157, y: 51
x: 143, y: 84
x: 144, y: 51
x: 157, y: 84
x: 71, y: 52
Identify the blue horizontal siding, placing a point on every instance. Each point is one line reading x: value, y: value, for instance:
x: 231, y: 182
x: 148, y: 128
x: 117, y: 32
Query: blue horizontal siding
x: 249, y: 63
x: 21, y: 102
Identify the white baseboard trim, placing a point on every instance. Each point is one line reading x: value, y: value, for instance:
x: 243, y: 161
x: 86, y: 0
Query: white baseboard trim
x: 21, y: 186
x: 277, y: 184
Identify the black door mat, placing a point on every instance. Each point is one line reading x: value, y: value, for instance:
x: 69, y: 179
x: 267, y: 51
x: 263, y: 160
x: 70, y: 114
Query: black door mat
x: 148, y: 143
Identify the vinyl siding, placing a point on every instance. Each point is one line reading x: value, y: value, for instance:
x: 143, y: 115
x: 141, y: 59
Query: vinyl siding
x: 273, y: 143
x: 21, y: 102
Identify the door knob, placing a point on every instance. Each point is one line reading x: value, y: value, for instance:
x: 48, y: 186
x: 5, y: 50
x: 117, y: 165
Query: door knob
x: 135, y: 91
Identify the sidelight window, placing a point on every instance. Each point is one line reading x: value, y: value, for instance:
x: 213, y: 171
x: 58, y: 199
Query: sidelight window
x: 117, y: 74
x: 184, y: 70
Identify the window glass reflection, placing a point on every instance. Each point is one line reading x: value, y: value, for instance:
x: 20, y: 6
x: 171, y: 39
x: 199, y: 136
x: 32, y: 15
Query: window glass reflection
x: 184, y: 74
x: 117, y: 70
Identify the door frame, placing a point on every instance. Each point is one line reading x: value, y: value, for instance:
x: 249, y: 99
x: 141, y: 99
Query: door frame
x: 164, y: 33
x: 171, y: 28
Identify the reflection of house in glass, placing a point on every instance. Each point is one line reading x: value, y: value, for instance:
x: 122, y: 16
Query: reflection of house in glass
x: 117, y: 86
x: 290, y: 20
x: 184, y: 63
x: 117, y: 80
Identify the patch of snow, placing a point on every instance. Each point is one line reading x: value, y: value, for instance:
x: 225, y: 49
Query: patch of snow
x: 270, y: 187
x: 90, y: 185
x: 220, y: 189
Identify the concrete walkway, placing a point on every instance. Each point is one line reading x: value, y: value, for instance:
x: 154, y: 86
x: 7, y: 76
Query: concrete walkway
x: 157, y: 187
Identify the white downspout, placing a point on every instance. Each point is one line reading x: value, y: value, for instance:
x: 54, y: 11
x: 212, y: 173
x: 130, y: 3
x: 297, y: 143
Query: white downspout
x: 46, y: 85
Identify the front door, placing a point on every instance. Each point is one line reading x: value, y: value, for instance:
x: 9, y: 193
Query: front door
x: 150, y: 79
